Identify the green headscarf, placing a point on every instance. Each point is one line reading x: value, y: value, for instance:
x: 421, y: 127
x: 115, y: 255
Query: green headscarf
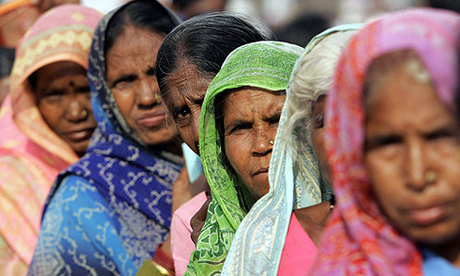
x: 267, y: 65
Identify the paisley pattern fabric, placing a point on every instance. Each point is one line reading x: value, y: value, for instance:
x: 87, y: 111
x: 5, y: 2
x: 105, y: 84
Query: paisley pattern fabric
x: 31, y: 154
x: 108, y: 212
x: 358, y: 239
x: 294, y: 183
x: 265, y: 65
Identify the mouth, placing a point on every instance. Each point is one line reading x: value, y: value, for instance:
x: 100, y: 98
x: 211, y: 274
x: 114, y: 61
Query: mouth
x: 152, y: 119
x: 80, y: 134
x: 261, y: 172
x: 426, y: 216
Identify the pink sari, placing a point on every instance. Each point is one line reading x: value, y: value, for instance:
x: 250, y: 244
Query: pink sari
x: 31, y: 154
x: 358, y: 239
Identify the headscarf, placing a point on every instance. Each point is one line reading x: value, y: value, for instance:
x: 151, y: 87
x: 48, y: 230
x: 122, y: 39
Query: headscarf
x: 134, y: 180
x: 266, y: 65
x: 358, y: 239
x: 294, y: 183
x: 31, y: 154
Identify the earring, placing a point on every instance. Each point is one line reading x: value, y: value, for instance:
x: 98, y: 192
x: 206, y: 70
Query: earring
x: 272, y: 142
x: 431, y: 176
x: 158, y: 97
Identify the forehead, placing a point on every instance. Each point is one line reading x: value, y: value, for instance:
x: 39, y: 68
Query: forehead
x: 135, y: 45
x: 187, y: 81
x: 58, y: 70
x: 252, y: 99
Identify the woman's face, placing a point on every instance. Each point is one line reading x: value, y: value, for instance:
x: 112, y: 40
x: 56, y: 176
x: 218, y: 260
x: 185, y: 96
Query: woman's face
x: 412, y: 156
x: 251, y: 117
x: 132, y: 81
x: 317, y: 138
x: 64, y: 101
x: 187, y: 88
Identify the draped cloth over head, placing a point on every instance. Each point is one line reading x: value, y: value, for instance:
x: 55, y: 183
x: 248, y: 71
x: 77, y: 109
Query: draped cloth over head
x: 294, y: 183
x: 266, y: 65
x: 132, y: 182
x: 31, y: 154
x: 358, y: 239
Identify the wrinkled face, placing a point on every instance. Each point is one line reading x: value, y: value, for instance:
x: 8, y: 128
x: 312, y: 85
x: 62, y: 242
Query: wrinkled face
x: 187, y: 88
x: 132, y: 81
x: 317, y: 138
x: 412, y: 156
x: 251, y: 117
x: 64, y: 101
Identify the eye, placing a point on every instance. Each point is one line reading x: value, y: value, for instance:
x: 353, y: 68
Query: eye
x: 181, y: 115
x: 382, y: 141
x: 54, y: 95
x: 240, y: 127
x: 318, y: 121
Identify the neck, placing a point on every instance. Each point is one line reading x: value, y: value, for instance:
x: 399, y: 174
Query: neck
x: 313, y: 219
x: 449, y: 250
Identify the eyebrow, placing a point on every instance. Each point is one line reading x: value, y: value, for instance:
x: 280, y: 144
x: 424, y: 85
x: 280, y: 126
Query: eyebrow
x: 122, y: 78
x: 235, y: 123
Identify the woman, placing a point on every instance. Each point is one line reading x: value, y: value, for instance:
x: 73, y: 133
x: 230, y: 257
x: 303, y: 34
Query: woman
x: 190, y: 56
x: 395, y: 174
x: 238, y: 125
x: 298, y: 172
x: 46, y: 124
x: 112, y: 209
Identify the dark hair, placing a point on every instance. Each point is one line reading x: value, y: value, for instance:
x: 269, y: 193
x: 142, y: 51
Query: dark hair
x: 204, y: 41
x: 302, y: 29
x: 144, y: 14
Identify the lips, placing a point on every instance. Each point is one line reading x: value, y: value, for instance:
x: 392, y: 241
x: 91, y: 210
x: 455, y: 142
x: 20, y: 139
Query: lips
x: 429, y: 215
x: 261, y: 171
x: 80, y: 134
x: 152, y: 119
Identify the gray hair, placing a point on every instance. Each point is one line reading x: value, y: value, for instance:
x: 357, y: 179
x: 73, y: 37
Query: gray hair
x: 313, y: 80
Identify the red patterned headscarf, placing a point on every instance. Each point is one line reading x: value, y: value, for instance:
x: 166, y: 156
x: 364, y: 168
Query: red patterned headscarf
x: 358, y: 239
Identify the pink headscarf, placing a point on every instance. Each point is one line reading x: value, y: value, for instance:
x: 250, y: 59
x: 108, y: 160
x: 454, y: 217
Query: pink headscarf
x: 31, y: 154
x: 358, y: 239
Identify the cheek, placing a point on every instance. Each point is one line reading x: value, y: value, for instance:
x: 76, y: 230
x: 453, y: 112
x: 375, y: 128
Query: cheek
x: 235, y: 150
x: 51, y: 113
x: 388, y: 187
x: 125, y: 103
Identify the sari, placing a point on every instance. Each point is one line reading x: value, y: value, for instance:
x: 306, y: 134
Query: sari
x: 294, y: 183
x: 31, y: 154
x: 358, y: 239
x: 107, y: 213
x: 266, y: 65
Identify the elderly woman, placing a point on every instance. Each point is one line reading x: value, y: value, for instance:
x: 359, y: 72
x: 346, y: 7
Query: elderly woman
x: 238, y: 124
x: 190, y: 56
x: 298, y: 176
x: 395, y: 163
x: 46, y: 124
x: 110, y: 211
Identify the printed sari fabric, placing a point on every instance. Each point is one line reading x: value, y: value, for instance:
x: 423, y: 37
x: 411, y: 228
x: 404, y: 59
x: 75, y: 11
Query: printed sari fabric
x: 265, y: 65
x: 358, y: 239
x: 108, y: 212
x: 294, y: 183
x: 31, y: 154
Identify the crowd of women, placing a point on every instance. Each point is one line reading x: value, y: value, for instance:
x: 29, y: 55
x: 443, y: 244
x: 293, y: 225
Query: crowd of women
x: 339, y: 157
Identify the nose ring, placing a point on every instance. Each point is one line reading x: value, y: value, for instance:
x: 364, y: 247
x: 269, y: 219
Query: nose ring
x: 272, y: 142
x: 84, y: 113
x: 431, y: 176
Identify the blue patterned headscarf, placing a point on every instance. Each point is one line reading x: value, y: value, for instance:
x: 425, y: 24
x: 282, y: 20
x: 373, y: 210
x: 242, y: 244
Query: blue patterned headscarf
x: 127, y: 174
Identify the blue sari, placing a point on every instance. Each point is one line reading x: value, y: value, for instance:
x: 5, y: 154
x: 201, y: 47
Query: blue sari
x: 108, y: 212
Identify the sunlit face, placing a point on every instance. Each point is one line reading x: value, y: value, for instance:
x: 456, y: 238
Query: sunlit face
x: 317, y: 138
x: 64, y: 101
x: 251, y: 117
x: 132, y: 81
x: 411, y: 136
x: 187, y: 88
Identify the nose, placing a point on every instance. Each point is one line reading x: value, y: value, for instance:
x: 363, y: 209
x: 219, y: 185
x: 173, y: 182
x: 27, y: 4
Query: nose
x: 148, y: 94
x: 263, y: 142
x: 416, y: 164
x: 77, y: 110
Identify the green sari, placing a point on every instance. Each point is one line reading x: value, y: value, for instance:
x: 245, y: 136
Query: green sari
x: 266, y: 65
